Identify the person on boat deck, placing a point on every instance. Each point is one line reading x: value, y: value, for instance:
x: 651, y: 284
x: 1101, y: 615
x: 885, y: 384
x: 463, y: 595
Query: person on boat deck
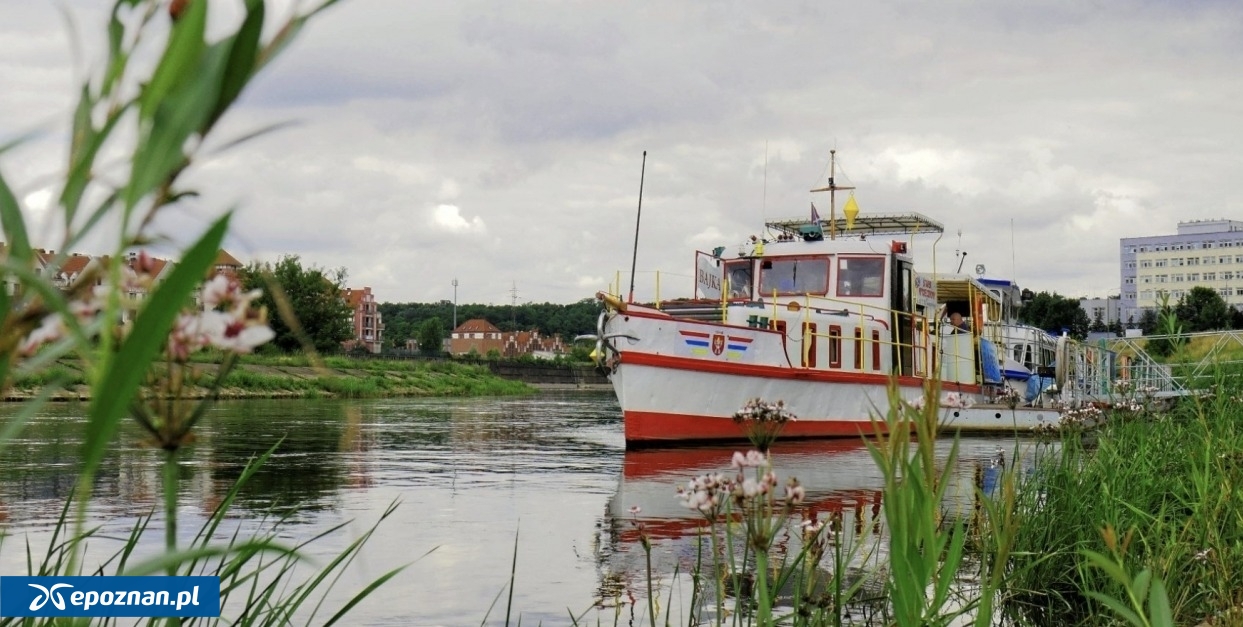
x: 959, y: 324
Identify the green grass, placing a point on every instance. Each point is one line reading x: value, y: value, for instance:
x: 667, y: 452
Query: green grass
x: 1162, y: 492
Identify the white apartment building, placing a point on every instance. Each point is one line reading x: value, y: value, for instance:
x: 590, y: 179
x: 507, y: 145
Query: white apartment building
x: 1206, y: 253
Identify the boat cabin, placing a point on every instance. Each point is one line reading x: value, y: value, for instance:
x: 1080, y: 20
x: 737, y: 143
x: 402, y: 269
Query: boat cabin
x: 852, y: 303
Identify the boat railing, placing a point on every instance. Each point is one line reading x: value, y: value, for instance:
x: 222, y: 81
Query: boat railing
x: 867, y: 345
x: 654, y: 288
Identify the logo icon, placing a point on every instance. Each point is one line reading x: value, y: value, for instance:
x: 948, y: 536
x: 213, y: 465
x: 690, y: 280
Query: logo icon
x: 48, y: 595
x: 718, y: 343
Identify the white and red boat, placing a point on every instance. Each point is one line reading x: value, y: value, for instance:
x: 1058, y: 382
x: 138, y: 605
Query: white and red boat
x: 824, y: 315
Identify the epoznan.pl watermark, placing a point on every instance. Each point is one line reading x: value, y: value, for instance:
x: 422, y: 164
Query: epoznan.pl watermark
x: 110, y: 596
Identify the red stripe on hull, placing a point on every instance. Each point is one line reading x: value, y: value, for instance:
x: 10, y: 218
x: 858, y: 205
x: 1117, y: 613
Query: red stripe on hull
x: 654, y: 427
x: 775, y: 372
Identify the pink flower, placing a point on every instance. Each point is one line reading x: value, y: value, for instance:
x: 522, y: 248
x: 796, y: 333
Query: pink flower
x: 52, y: 328
x: 751, y: 459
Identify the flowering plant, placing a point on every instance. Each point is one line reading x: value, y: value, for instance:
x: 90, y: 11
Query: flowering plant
x: 763, y: 421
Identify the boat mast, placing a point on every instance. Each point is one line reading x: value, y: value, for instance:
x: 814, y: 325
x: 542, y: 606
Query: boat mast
x: 832, y: 190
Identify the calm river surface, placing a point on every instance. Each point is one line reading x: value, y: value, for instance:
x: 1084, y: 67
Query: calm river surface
x: 469, y: 474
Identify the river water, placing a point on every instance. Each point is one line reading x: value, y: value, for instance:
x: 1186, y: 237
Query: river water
x: 469, y: 475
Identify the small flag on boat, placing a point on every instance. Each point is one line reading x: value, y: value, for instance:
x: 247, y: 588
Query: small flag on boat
x: 816, y: 232
x: 850, y: 210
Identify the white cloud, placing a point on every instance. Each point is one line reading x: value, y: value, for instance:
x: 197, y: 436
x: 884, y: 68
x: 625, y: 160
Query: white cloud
x: 978, y: 114
x: 448, y: 218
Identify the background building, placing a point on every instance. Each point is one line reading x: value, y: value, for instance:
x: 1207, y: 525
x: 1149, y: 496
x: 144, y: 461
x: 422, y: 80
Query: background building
x: 1108, y: 310
x: 1205, y: 253
x: 368, y: 325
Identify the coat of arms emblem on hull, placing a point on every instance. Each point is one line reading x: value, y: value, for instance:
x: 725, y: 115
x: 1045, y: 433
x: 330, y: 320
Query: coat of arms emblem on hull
x: 718, y: 343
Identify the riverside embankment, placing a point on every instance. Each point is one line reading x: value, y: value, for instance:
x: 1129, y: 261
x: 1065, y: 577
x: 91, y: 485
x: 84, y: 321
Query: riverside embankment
x: 339, y: 377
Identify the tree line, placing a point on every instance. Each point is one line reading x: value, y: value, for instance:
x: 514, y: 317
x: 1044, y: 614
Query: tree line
x: 1200, y: 309
x: 412, y: 321
x: 315, y: 298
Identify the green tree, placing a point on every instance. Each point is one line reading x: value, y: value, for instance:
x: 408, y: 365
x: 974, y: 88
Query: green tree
x: 1055, y: 313
x: 1098, y: 324
x: 311, y: 294
x: 1203, y: 309
x: 1148, y: 321
x: 431, y: 336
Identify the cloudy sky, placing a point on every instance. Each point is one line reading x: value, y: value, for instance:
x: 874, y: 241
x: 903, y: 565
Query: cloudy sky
x: 501, y: 143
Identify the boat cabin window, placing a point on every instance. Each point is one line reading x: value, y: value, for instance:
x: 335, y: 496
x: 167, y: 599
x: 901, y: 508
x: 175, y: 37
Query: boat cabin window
x: 739, y: 275
x: 860, y: 276
x: 794, y: 275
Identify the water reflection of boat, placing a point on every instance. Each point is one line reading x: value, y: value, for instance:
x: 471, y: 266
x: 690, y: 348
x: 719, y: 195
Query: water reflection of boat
x: 843, y: 487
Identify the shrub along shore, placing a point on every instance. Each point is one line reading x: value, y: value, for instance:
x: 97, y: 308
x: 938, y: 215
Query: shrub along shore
x: 300, y: 377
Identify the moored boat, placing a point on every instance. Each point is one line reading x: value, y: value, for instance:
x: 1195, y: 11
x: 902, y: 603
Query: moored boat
x: 826, y: 315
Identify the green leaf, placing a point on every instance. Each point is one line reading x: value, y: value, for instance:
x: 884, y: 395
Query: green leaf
x: 182, y: 114
x: 1110, y: 567
x: 1159, y: 611
x: 163, y: 561
x: 242, y: 53
x: 86, y: 145
x: 119, y: 385
x: 1139, y: 587
x: 363, y: 594
x: 180, y: 60
x: 1117, y: 606
x: 14, y: 225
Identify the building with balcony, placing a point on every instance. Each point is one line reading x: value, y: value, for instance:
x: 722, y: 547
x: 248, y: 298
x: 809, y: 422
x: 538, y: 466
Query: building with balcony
x: 367, y: 323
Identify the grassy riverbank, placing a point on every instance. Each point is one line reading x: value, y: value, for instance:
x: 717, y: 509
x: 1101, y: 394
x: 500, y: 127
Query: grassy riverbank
x: 1156, y: 492
x: 299, y: 377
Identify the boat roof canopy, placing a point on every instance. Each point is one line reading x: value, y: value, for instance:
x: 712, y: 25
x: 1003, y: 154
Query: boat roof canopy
x: 868, y: 224
x: 966, y: 288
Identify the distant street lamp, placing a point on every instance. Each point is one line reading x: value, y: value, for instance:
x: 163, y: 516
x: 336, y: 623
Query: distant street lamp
x: 454, y: 303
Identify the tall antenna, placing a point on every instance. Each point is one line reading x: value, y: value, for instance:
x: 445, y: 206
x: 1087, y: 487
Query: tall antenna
x: 764, y: 206
x: 960, y: 253
x: 513, y: 309
x: 638, y: 215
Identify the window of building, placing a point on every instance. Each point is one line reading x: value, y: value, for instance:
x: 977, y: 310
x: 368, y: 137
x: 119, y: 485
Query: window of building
x: 1223, y: 259
x: 1130, y: 280
x: 1176, y: 278
x: 1210, y: 276
x: 1161, y: 263
x: 1193, y: 277
x: 1147, y: 263
x: 1146, y: 279
x: 1163, y: 278
x: 1227, y: 276
x: 1238, y: 259
x: 1193, y: 261
x: 1224, y: 291
x: 1208, y: 261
